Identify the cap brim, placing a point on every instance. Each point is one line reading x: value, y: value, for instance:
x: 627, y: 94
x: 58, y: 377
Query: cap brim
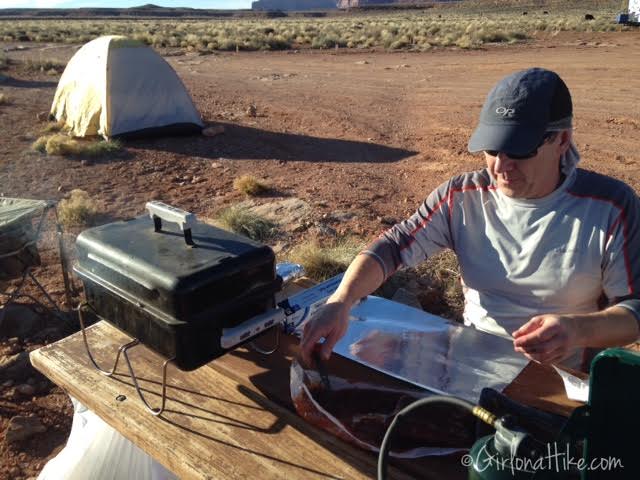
x: 516, y: 139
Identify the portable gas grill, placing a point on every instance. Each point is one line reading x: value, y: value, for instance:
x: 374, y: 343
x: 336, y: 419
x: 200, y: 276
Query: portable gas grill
x: 188, y: 290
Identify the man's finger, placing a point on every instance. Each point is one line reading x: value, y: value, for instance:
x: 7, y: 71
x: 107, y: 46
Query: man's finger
x: 528, y: 327
x: 329, y: 342
x: 310, y: 336
x: 549, y: 356
x: 539, y: 336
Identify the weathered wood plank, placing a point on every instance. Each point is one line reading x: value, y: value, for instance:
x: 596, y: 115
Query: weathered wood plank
x: 213, y: 426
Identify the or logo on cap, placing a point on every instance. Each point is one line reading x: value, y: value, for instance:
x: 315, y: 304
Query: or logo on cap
x: 505, y: 112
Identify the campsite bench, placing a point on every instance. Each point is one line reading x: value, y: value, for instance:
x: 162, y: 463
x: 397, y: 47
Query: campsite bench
x: 233, y: 418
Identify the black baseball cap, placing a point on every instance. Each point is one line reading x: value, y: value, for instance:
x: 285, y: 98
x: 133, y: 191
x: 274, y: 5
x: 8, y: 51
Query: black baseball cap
x: 520, y: 109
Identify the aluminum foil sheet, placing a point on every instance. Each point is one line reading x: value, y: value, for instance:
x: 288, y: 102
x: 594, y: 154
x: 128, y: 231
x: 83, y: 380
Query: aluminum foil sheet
x: 429, y: 351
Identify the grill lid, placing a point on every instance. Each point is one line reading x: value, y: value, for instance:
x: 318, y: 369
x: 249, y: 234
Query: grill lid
x: 160, y: 267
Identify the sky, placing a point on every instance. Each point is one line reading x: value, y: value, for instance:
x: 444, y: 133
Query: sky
x: 226, y: 4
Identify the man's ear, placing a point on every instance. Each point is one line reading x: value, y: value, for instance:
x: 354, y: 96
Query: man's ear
x: 565, y: 141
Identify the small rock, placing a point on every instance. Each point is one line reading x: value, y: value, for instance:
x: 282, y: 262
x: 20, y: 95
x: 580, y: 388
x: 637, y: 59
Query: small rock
x: 84, y: 163
x: 60, y: 188
x: 340, y: 216
x: 216, y: 165
x: 13, y: 349
x: 213, y: 131
x: 7, y: 384
x: 13, y: 340
x: 26, y: 390
x: 21, y: 428
x: 252, y: 111
x: 362, y: 62
x: 387, y: 220
x: 16, y: 367
x: 42, y: 116
x: 322, y: 229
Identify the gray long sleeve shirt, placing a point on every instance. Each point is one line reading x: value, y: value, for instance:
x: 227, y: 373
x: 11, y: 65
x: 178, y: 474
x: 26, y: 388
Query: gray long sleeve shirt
x: 525, y: 257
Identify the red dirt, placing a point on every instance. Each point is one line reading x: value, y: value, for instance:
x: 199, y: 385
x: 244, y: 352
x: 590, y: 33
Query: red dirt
x: 372, y: 138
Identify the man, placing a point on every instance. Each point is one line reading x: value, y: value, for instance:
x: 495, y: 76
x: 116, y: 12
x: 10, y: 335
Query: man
x: 539, y: 241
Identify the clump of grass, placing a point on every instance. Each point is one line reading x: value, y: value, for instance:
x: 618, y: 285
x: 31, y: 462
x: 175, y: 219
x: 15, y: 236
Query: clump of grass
x: 77, y: 210
x: 4, y: 99
x: 250, y: 185
x: 99, y: 149
x: 52, y: 127
x: 40, y: 145
x: 60, y: 144
x: 50, y: 66
x: 243, y: 221
x: 321, y: 262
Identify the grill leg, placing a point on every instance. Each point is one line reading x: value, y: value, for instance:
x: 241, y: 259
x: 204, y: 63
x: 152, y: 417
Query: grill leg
x: 123, y: 350
x: 154, y: 411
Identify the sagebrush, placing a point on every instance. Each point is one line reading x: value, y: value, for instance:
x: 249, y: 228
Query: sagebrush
x: 77, y: 210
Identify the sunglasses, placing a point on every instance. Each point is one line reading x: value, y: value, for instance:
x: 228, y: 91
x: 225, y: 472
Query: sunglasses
x: 520, y: 156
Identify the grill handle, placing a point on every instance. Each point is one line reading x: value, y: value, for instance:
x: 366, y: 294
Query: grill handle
x: 159, y: 211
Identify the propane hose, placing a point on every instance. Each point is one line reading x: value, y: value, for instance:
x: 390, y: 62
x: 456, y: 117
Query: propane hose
x: 475, y: 410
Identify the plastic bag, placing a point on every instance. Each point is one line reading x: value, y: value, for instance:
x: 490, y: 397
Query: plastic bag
x: 97, y: 451
x: 360, y: 414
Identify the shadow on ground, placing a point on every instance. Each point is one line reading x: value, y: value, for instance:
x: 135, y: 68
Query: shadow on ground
x: 15, y: 82
x: 241, y: 142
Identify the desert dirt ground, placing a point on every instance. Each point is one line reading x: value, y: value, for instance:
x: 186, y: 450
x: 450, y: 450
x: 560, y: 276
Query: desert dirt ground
x: 369, y: 133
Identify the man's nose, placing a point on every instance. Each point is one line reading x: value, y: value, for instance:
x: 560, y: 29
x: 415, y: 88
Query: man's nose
x: 503, y: 163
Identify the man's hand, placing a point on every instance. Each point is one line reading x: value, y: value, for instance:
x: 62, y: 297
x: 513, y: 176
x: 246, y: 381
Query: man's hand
x: 547, y: 338
x: 330, y: 322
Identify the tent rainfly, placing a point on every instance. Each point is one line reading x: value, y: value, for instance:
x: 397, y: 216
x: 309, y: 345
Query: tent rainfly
x: 117, y: 87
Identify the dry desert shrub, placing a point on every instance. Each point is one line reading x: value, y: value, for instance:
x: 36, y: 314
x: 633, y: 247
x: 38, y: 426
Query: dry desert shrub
x: 4, y: 99
x: 61, y: 144
x: 467, y: 25
x: 52, y: 127
x: 243, y: 221
x: 49, y: 66
x: 40, y: 145
x: 77, y: 210
x: 250, y: 185
x: 323, y: 261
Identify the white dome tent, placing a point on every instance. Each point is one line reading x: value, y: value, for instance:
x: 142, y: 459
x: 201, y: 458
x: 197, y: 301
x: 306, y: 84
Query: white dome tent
x: 118, y: 87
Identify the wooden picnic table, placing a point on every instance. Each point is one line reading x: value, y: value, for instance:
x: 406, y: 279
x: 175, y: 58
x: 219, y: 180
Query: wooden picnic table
x: 234, y: 418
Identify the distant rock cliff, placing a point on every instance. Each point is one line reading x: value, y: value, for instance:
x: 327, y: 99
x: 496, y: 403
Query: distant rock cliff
x: 297, y: 5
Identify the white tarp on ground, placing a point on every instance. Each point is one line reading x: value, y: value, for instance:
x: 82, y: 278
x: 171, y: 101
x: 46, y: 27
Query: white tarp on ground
x: 114, y: 85
x: 96, y: 451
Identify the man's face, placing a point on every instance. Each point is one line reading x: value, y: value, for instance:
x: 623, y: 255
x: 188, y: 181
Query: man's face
x: 534, y: 177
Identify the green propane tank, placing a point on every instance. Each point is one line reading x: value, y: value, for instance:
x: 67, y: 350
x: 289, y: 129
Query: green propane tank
x: 488, y: 464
